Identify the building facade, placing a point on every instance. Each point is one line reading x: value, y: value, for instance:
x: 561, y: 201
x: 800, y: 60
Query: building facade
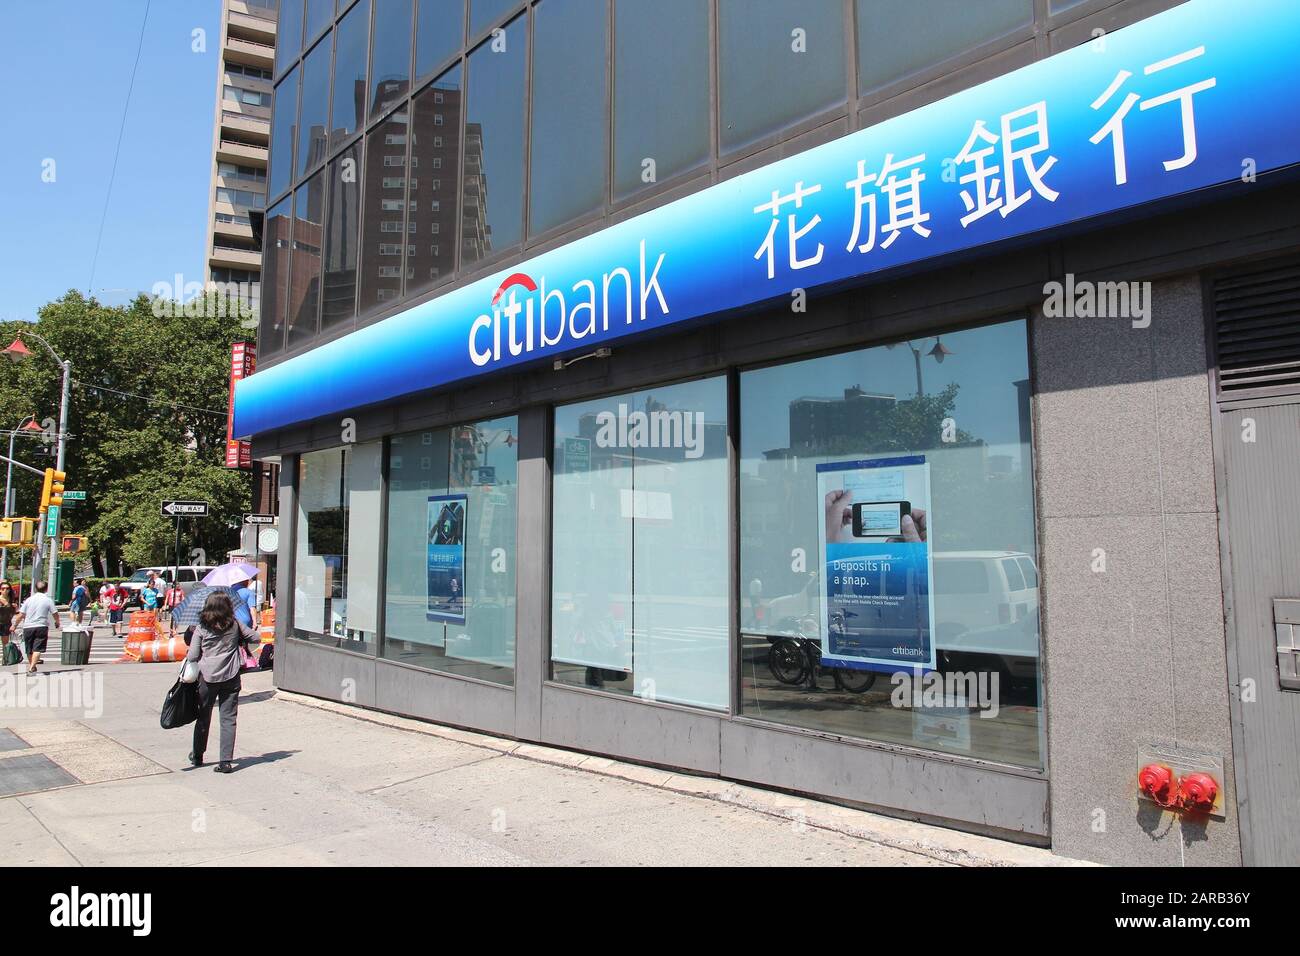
x: 240, y: 139
x: 888, y: 402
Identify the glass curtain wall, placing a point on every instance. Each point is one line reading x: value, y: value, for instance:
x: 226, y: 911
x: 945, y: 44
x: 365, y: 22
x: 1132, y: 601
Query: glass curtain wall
x: 449, y: 594
x: 639, y: 550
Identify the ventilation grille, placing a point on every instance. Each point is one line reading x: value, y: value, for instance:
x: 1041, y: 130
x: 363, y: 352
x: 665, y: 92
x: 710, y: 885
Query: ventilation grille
x: 1257, y: 330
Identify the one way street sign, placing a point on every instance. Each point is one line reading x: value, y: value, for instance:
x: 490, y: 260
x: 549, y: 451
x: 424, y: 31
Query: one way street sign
x: 190, y: 509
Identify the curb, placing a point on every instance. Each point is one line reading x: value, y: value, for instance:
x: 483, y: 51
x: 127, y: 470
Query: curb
x: 951, y: 847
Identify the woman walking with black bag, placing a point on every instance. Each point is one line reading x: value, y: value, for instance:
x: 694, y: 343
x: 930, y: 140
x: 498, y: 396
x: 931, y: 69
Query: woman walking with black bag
x: 215, y: 648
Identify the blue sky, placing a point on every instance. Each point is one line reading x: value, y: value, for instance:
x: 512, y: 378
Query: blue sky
x: 64, y: 67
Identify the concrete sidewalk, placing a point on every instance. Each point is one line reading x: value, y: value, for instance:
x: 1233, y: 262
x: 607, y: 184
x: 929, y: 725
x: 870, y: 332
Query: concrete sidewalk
x: 325, y: 784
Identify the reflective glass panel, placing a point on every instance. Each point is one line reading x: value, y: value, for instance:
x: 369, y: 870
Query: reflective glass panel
x: 304, y: 281
x: 779, y: 63
x: 661, y: 91
x: 390, y: 54
x: 493, y: 197
x: 926, y: 442
x: 435, y: 170
x: 339, y: 285
x: 450, y: 585
x: 348, y: 99
x: 640, y: 567
x: 568, y: 135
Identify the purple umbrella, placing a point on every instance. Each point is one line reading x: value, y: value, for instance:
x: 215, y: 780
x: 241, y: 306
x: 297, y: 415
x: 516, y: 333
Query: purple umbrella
x: 228, y: 575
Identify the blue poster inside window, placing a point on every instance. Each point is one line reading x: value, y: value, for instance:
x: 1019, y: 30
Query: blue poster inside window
x: 876, y: 601
x: 446, y: 558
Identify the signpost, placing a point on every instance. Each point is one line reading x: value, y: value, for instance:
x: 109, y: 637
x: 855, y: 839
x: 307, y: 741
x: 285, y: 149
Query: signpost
x: 74, y: 496
x: 178, y: 510
x: 259, y: 519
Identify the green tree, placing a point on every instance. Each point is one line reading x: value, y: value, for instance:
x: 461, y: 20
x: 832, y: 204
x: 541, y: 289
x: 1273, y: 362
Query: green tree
x: 146, y: 421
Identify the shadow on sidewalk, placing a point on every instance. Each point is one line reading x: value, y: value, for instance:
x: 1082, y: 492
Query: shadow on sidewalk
x: 272, y: 757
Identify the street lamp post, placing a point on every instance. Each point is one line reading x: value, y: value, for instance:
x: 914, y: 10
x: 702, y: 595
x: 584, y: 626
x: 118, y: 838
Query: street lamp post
x: 16, y: 352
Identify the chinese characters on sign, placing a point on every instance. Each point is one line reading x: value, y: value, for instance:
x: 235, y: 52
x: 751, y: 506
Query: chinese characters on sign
x: 997, y: 171
x: 243, y: 359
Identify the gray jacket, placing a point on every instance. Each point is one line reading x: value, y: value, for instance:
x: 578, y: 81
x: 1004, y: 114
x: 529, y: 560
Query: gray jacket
x: 218, y: 654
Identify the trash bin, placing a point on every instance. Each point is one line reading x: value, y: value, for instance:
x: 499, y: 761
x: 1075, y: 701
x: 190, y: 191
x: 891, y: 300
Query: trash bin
x: 75, y: 647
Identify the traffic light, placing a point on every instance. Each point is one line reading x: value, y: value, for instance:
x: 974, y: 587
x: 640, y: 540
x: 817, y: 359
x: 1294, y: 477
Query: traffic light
x: 52, y: 491
x: 73, y: 544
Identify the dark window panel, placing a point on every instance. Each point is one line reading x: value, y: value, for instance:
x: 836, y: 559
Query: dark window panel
x: 342, y: 229
x: 493, y: 196
x: 304, y: 279
x: 431, y: 210
x: 390, y: 54
x: 288, y: 33
x: 439, y: 33
x: 661, y: 90
x: 282, y: 134
x: 348, y: 99
x: 779, y: 63
x: 568, y: 134
x: 313, y: 110
x: 895, y: 39
x: 383, y: 215
x: 275, y: 277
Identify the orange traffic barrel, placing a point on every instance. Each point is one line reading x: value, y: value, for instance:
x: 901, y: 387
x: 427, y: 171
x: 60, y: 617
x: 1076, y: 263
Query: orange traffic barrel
x: 142, y: 628
x: 171, y: 649
x: 267, y: 628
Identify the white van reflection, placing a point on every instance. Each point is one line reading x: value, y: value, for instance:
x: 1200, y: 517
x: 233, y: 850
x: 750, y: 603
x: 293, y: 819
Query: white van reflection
x: 985, y: 611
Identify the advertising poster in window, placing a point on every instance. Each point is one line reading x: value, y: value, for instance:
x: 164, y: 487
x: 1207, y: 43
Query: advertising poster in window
x: 876, y: 603
x: 446, y: 558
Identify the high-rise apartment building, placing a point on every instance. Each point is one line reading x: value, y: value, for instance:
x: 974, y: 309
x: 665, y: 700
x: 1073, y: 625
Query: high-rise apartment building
x: 241, y: 131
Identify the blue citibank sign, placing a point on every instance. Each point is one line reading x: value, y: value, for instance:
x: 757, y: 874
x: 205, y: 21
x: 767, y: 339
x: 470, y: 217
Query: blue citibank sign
x: 1200, y: 95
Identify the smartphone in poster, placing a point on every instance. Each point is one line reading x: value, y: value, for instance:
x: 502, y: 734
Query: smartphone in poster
x: 446, y: 558
x: 876, y: 605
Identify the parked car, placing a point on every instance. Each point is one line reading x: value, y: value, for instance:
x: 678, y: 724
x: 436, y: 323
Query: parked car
x: 190, y: 576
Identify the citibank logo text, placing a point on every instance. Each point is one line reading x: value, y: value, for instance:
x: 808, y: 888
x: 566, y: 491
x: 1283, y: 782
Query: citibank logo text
x: 550, y: 318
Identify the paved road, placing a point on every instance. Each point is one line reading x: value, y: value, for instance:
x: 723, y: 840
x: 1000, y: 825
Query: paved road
x: 318, y: 788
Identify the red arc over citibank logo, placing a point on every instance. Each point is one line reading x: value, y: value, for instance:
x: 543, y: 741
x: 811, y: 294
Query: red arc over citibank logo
x: 519, y: 278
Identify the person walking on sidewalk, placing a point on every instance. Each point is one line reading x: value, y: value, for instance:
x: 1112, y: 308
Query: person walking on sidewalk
x: 80, y: 600
x: 36, y: 617
x: 216, y: 648
x: 8, y: 608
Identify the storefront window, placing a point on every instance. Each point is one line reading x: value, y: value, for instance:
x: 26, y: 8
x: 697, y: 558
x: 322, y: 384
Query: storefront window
x: 905, y: 472
x: 449, y: 600
x: 640, y: 557
x: 336, y: 555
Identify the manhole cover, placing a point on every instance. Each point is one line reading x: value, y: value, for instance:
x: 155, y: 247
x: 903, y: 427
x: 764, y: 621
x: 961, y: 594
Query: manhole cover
x: 31, y: 773
x: 11, y: 741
